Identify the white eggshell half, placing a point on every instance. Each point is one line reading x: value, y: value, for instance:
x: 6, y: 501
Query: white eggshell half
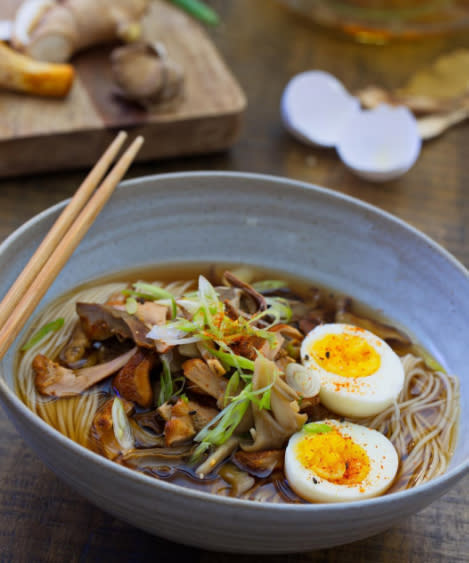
x: 380, y: 144
x: 316, y: 107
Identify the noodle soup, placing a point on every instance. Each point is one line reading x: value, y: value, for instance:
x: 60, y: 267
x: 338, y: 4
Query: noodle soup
x: 240, y: 382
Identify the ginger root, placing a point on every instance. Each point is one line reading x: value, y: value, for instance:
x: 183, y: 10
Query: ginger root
x: 50, y: 31
x: 145, y: 74
x: 23, y: 74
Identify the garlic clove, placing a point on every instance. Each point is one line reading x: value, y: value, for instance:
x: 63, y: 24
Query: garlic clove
x: 316, y: 107
x: 380, y: 144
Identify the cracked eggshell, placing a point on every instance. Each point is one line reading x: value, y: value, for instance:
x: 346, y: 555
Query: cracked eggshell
x: 316, y: 107
x: 380, y: 144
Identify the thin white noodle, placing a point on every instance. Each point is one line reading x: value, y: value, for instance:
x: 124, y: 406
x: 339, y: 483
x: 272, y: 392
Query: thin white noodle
x: 422, y: 425
x: 70, y: 416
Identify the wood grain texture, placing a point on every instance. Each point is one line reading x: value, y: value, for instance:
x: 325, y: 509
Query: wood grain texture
x: 39, y: 134
x: 43, y: 520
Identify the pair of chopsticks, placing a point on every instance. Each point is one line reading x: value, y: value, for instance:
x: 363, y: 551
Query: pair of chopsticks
x: 60, y: 242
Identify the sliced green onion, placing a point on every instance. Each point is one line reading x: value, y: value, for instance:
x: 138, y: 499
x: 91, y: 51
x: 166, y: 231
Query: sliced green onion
x: 210, y: 305
x: 264, y: 401
x: 121, y: 426
x: 227, y: 420
x: 49, y: 328
x: 232, y: 360
x: 199, y: 10
x: 131, y: 305
x: 231, y: 388
x: 279, y: 308
x: 316, y: 428
x: 166, y: 382
x: 268, y: 285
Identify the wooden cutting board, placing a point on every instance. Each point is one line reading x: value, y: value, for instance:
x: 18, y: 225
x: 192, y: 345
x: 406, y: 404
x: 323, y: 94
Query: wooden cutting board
x: 38, y: 134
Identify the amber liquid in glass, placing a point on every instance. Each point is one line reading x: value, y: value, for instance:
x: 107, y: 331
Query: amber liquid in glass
x: 379, y: 20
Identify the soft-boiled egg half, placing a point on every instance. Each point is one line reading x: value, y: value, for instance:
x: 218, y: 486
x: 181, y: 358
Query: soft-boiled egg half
x: 331, y: 461
x: 360, y: 374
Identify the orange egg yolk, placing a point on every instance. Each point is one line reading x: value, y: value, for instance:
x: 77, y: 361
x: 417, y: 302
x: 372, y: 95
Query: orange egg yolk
x: 334, y: 457
x: 348, y: 355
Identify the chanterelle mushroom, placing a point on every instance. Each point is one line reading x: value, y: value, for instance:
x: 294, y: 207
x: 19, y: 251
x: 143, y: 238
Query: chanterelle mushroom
x: 23, y: 74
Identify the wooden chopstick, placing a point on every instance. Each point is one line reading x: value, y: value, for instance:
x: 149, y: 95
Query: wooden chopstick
x: 64, y: 249
x: 59, y: 229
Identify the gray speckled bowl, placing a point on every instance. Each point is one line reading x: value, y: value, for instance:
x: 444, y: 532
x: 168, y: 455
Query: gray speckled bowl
x: 276, y: 223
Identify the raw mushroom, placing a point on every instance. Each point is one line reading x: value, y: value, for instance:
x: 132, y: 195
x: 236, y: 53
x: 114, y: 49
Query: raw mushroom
x: 145, y: 74
x: 51, y: 31
x: 23, y: 74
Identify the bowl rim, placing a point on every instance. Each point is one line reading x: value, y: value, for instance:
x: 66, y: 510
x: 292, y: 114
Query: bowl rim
x: 9, y: 396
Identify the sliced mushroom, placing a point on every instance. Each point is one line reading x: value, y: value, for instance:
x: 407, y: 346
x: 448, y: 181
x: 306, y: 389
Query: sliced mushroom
x: 152, y: 313
x: 102, y: 429
x: 198, y: 372
x: 73, y: 352
x: 220, y: 454
x: 154, y: 457
x: 213, y: 363
x: 248, y: 346
x: 101, y: 322
x: 271, y: 350
x: 260, y: 464
x: 248, y: 289
x: 240, y: 481
x: 273, y: 427
x: 179, y: 428
x: 145, y: 438
x: 200, y: 415
x: 149, y: 419
x: 133, y: 380
x: 54, y: 380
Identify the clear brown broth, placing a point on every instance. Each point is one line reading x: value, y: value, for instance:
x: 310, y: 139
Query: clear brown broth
x: 276, y: 486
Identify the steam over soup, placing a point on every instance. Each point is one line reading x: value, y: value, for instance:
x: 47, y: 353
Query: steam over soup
x: 240, y: 382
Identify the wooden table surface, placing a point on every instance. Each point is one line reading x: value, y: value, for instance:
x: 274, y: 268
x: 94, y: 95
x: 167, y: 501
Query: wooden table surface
x: 41, y: 519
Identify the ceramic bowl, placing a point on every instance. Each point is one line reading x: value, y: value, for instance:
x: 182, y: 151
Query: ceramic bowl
x: 276, y: 223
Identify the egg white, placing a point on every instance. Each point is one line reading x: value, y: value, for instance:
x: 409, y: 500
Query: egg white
x: 383, y: 458
x: 356, y: 396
